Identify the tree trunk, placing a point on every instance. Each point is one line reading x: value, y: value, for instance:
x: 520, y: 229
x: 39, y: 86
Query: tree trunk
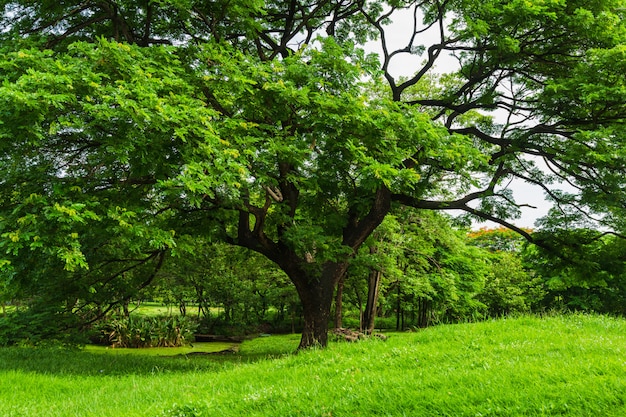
x: 293, y: 319
x: 423, y: 305
x: 316, y: 315
x: 398, y: 308
x: 373, y: 285
x: 359, y: 305
x: 316, y: 294
x: 339, y: 305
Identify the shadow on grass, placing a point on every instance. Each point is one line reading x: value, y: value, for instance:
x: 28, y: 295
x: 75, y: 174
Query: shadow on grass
x: 59, y: 361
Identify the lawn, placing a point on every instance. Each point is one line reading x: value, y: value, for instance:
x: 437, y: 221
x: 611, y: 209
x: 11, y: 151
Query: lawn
x: 565, y: 365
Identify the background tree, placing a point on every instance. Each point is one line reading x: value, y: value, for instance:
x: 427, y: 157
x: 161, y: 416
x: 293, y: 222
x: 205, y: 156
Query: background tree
x: 7, y: 291
x: 513, y: 284
x: 586, y: 274
x: 252, y: 130
x: 428, y: 272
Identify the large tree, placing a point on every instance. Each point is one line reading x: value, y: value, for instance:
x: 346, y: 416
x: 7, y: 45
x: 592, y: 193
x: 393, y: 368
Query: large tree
x: 127, y: 124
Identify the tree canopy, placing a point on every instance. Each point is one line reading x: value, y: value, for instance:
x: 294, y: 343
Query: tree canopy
x: 128, y: 126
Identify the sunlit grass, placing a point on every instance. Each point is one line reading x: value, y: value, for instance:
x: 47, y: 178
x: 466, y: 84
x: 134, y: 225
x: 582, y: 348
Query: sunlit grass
x: 150, y: 308
x: 154, y: 309
x: 573, y: 365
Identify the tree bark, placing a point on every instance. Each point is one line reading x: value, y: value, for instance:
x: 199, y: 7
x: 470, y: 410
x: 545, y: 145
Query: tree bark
x: 316, y: 309
x: 373, y: 285
x: 316, y: 294
x: 398, y: 307
x: 423, y: 305
x: 339, y: 305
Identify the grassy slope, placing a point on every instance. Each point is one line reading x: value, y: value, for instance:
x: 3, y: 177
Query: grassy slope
x: 572, y: 365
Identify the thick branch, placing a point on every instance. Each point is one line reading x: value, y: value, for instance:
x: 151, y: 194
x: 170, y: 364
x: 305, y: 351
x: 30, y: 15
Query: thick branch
x: 358, y: 230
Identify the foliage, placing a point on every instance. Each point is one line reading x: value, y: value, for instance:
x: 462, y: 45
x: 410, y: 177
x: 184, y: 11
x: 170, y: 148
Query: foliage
x: 586, y: 273
x: 498, y: 239
x: 242, y: 285
x: 431, y: 275
x: 137, y: 331
x: 512, y: 286
x: 40, y: 326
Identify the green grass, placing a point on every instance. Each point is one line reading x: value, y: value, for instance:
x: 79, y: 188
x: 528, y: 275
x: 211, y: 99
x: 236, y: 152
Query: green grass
x: 195, y: 348
x: 151, y: 308
x: 157, y: 309
x: 572, y: 365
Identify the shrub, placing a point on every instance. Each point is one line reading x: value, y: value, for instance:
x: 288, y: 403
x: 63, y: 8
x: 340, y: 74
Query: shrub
x: 39, y: 325
x: 146, y: 331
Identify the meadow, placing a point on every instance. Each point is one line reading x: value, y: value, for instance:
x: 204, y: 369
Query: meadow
x: 572, y: 365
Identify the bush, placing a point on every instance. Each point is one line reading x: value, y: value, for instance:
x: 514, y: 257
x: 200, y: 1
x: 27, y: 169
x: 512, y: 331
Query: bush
x: 38, y: 326
x: 146, y: 331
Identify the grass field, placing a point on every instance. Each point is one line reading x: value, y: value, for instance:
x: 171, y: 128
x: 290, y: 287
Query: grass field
x: 557, y: 366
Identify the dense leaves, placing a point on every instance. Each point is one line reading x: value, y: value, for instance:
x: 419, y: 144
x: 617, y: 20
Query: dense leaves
x: 583, y: 270
x: 142, y: 332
